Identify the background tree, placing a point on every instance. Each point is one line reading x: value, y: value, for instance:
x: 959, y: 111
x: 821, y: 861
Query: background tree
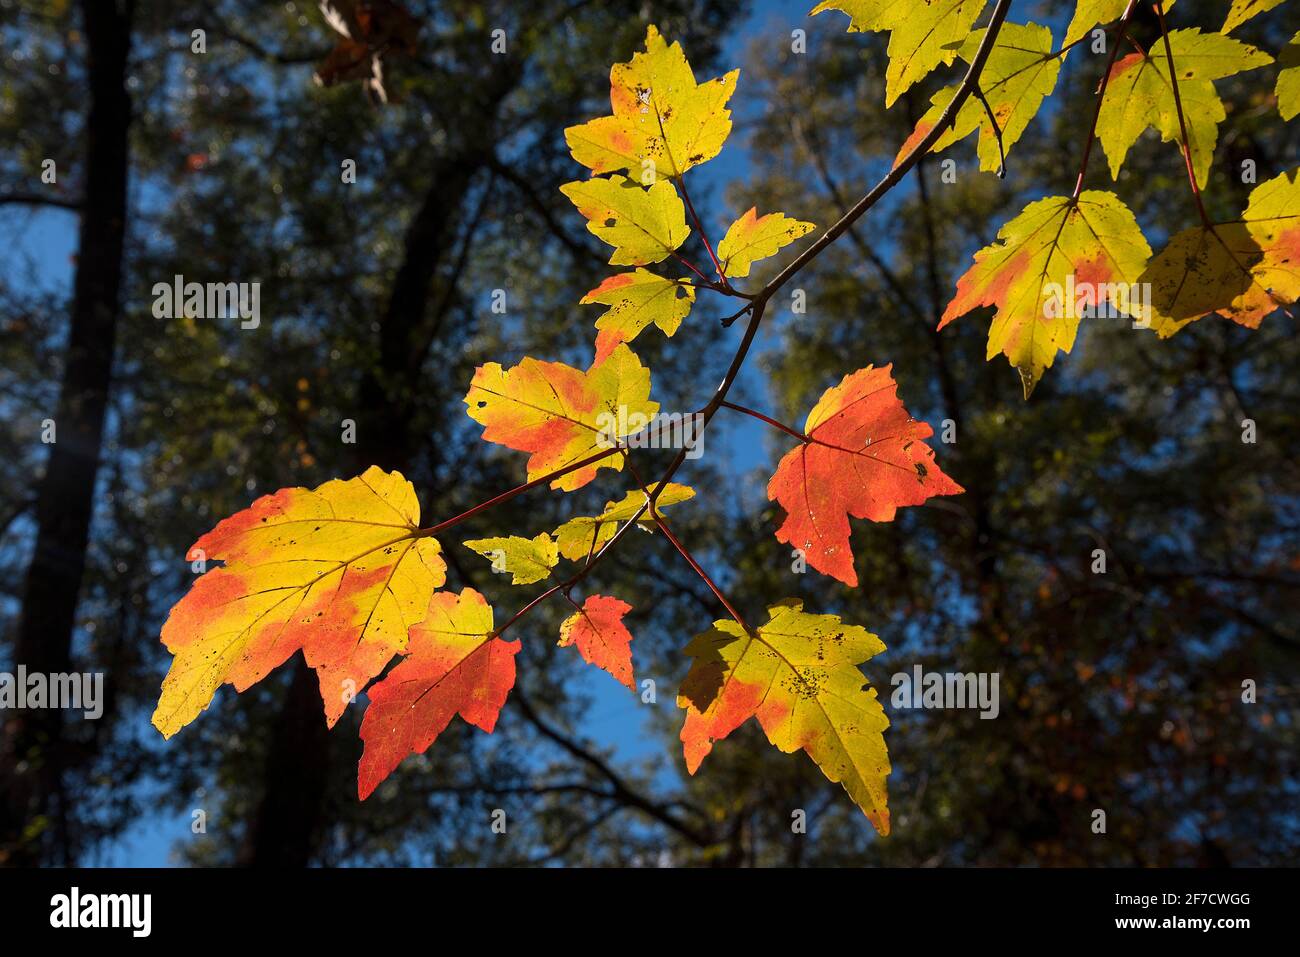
x: 1119, y: 691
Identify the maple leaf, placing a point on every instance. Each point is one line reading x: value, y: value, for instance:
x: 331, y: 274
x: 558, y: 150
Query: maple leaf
x: 751, y: 238
x: 455, y: 664
x: 1020, y: 72
x: 560, y: 414
x: 579, y: 537
x: 339, y: 571
x: 1053, y: 243
x: 370, y: 30
x: 863, y: 457
x: 527, y: 560
x: 1140, y: 95
x: 662, y: 120
x: 798, y: 675
x: 643, y: 225
x: 1242, y: 270
x: 1243, y: 10
x: 923, y: 34
x: 1288, y: 79
x: 635, y: 300
x: 1089, y: 13
x: 598, y: 631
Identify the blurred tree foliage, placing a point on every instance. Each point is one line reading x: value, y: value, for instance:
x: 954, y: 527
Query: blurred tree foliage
x: 1119, y: 691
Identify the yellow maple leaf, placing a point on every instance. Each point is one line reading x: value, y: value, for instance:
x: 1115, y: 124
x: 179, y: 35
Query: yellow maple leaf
x: 752, y: 237
x: 1139, y: 95
x: 663, y: 122
x: 1243, y: 270
x: 1020, y: 72
x: 340, y: 572
x: 923, y: 34
x: 638, y: 299
x: 1089, y: 13
x: 583, y: 535
x: 1093, y: 246
x: 527, y: 560
x: 643, y: 225
x: 798, y: 675
x: 560, y: 414
x: 1243, y: 10
x: 1288, y: 79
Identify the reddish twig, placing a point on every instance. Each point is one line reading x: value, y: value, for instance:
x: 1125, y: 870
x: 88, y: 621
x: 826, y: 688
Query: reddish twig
x: 1101, y: 98
x: 1182, y: 122
x: 517, y: 490
x: 699, y: 228
x: 681, y: 549
x: 770, y: 421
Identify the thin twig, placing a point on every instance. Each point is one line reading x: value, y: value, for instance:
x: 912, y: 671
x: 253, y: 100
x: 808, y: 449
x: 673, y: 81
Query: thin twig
x: 1101, y: 98
x: 1182, y: 122
x: 997, y: 131
x: 763, y: 418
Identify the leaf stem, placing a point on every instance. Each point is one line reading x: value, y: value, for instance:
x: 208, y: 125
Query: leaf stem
x: 1101, y: 98
x: 517, y: 490
x: 770, y: 421
x: 692, y: 267
x: 997, y: 131
x: 699, y: 228
x: 1182, y: 122
x: 682, y: 550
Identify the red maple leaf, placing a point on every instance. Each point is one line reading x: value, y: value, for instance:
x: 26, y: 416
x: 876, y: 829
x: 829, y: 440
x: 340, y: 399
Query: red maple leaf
x: 862, y: 456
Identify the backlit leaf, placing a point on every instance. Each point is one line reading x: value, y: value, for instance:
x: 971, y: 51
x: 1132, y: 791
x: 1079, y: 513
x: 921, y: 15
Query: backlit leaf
x: 1019, y: 74
x: 601, y: 637
x: 923, y: 34
x: 1140, y: 95
x: 1089, y: 13
x: 1052, y: 245
x: 636, y: 300
x: 1288, y: 79
x: 1242, y: 270
x: 751, y: 238
x: 662, y: 120
x: 560, y: 414
x: 643, y: 225
x: 1243, y: 10
x: 339, y: 571
x: 581, y: 536
x: 798, y: 675
x: 455, y: 665
x: 527, y: 560
x: 865, y: 457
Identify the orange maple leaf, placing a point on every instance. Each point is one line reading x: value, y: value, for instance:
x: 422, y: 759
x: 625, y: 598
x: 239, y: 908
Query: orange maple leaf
x: 600, y: 635
x: 455, y: 664
x: 863, y: 456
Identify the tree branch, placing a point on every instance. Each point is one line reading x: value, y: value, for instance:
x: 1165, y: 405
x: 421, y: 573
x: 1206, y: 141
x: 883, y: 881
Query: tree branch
x: 39, y: 199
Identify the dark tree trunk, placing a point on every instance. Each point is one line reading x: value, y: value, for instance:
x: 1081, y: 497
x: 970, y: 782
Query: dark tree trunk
x: 285, y: 829
x: 33, y: 754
